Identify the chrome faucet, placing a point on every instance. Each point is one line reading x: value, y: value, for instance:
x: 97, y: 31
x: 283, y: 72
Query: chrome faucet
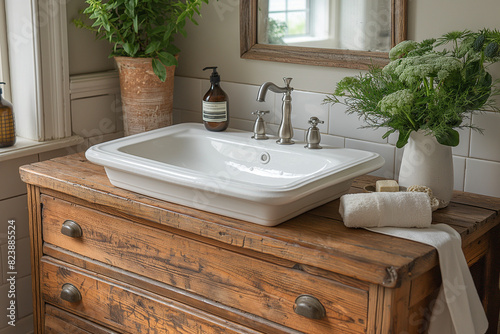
x: 285, y: 131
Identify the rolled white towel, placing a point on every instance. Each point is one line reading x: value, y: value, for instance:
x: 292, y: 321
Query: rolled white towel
x: 397, y: 209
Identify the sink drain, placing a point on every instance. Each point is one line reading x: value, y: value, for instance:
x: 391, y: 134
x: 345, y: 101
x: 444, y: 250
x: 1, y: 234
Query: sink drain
x: 264, y: 158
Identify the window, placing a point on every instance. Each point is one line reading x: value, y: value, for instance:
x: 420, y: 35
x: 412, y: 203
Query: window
x: 294, y: 14
x: 37, y: 59
x: 4, y: 56
x: 294, y: 22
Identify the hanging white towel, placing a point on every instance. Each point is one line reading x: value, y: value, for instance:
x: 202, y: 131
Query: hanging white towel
x: 401, y: 209
x: 458, y: 309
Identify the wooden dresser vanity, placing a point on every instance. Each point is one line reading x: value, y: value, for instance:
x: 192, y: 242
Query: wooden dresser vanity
x: 106, y: 260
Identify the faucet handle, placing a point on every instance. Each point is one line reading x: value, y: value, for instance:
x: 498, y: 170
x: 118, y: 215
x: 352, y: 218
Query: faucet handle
x: 314, y: 121
x: 259, y: 128
x: 313, y: 137
x: 287, y: 81
x: 260, y: 113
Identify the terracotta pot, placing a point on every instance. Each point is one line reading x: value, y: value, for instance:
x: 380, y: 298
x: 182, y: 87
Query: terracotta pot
x: 147, y: 102
x: 428, y: 163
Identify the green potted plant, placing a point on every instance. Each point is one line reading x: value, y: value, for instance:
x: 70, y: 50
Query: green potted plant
x: 142, y: 34
x: 426, y: 92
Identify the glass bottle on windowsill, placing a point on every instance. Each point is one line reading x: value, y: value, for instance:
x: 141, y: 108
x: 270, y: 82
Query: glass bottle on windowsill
x: 7, y: 128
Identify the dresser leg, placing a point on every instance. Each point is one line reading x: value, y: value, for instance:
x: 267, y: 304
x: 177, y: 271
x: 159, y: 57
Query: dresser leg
x: 35, y: 214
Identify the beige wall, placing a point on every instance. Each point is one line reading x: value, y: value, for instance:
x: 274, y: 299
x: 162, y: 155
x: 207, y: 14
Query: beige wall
x: 216, y: 42
x: 86, y: 54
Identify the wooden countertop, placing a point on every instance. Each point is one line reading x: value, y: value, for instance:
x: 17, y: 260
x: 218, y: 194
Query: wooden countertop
x: 314, y: 241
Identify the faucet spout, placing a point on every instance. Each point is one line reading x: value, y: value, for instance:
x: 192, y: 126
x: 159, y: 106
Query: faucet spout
x: 261, y: 95
x: 285, y: 131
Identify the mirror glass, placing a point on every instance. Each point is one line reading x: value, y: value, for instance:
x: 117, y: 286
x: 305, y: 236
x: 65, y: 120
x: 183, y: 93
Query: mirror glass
x: 334, y: 33
x: 331, y: 24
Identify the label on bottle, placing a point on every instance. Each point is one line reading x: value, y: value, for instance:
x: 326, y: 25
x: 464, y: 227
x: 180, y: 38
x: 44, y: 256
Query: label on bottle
x: 214, y: 111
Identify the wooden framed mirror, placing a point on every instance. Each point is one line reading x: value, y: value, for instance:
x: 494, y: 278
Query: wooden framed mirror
x: 252, y: 47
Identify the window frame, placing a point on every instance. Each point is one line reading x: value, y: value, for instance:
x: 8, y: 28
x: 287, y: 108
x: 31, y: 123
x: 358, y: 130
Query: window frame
x: 4, y: 53
x: 39, y: 68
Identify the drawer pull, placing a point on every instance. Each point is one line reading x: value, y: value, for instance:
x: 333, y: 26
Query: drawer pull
x: 309, y: 307
x: 71, y: 229
x: 70, y: 293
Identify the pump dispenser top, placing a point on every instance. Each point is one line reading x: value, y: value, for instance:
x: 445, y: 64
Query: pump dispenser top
x: 215, y: 104
x: 214, y: 77
x: 7, y: 129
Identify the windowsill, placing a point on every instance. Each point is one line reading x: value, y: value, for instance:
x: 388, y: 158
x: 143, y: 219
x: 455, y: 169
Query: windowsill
x: 305, y: 39
x: 24, y: 147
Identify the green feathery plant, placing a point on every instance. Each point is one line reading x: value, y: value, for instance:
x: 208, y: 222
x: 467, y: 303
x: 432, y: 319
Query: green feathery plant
x: 425, y: 87
x: 141, y: 28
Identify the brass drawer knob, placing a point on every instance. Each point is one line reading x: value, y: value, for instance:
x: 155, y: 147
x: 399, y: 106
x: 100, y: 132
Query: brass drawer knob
x: 70, y: 293
x: 309, y: 307
x: 71, y: 229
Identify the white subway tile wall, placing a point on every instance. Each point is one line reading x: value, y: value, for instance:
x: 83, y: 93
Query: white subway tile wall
x: 334, y: 141
x: 481, y: 145
x: 191, y: 93
x: 243, y: 100
x: 385, y: 150
x: 476, y: 159
x: 243, y: 124
x: 482, y: 177
x: 462, y: 148
x: 459, y: 172
x: 304, y: 106
x: 349, y: 125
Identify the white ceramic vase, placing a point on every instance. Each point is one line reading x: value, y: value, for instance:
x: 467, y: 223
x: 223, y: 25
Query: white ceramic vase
x: 428, y: 163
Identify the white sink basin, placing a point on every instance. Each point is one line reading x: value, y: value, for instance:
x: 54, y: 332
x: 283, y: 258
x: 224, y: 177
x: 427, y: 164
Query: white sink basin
x: 229, y: 173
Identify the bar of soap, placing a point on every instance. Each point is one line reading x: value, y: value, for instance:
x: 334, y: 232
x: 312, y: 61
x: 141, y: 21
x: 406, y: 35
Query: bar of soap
x: 386, y: 186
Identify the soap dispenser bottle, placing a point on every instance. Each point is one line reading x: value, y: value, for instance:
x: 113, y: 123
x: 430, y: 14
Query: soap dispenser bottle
x: 215, y: 104
x: 7, y: 129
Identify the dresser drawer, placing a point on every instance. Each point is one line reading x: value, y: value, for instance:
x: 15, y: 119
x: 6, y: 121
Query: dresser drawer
x: 239, y: 281
x: 58, y: 321
x: 124, y: 307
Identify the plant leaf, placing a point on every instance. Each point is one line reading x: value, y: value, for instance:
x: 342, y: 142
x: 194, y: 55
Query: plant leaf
x: 172, y: 49
x: 388, y: 133
x: 153, y: 47
x: 159, y: 70
x: 128, y: 49
x: 403, y: 138
x: 450, y: 138
x: 136, y: 24
x: 167, y: 59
